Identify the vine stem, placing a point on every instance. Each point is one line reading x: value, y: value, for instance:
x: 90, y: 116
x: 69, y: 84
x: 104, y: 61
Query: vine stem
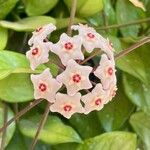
x: 72, y: 15
x: 40, y: 127
x: 4, y: 131
x: 133, y: 47
x: 21, y: 113
x: 124, y: 25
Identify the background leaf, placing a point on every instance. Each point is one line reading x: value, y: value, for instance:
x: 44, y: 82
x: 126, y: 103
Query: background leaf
x: 39, y: 7
x: 3, y: 38
x: 11, y: 129
x: 126, y: 12
x: 83, y: 124
x: 83, y: 7
x: 140, y: 122
x: 111, y: 141
x: 115, y: 114
x: 28, y: 24
x: 6, y: 6
x: 54, y: 131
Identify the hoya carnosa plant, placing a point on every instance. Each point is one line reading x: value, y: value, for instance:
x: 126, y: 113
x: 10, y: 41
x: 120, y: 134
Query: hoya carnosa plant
x: 78, y: 88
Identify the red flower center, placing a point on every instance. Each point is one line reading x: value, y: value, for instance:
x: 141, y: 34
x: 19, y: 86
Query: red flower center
x: 98, y: 101
x: 35, y: 51
x: 39, y: 29
x: 76, y: 78
x: 90, y: 35
x: 67, y: 108
x: 42, y: 87
x: 110, y: 71
x: 68, y: 46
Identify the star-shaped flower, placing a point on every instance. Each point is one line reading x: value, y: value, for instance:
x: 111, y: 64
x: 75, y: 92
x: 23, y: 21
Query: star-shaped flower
x: 111, y: 92
x: 75, y: 77
x: 67, y: 105
x: 94, y: 100
x: 106, y: 72
x: 91, y: 39
x: 68, y: 48
x: 38, y: 53
x: 41, y: 33
x: 45, y: 86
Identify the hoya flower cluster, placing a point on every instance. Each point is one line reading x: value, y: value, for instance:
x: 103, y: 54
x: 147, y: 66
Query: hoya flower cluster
x: 86, y: 88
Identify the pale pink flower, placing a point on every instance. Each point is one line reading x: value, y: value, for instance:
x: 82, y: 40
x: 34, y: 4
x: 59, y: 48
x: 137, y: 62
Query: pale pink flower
x: 111, y: 92
x: 75, y: 77
x: 92, y: 39
x: 41, y: 33
x: 106, y: 72
x: 68, y: 48
x: 89, y: 35
x: 45, y: 86
x: 67, y: 105
x: 94, y: 100
x: 38, y: 53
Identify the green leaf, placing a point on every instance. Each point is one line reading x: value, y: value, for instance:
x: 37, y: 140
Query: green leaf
x: 3, y: 38
x: 39, y: 7
x: 127, y: 12
x: 110, y: 14
x: 28, y: 24
x: 133, y: 64
x: 54, y: 131
x: 141, y: 124
x: 137, y: 92
x: 16, y: 88
x: 6, y: 6
x: 17, y: 142
x: 12, y: 62
x: 63, y: 22
x: 11, y: 128
x: 115, y: 114
x: 111, y: 141
x: 86, y: 8
x: 85, y: 126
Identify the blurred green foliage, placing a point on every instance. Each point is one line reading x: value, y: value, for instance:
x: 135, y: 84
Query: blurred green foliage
x: 123, y: 124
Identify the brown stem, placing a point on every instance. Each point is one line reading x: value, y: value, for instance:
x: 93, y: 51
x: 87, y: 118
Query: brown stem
x: 124, y: 25
x: 133, y: 47
x: 4, y: 131
x: 22, y: 112
x: 41, y: 125
x: 90, y: 57
x: 72, y: 15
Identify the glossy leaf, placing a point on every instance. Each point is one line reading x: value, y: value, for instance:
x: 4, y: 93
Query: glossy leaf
x: 63, y: 22
x: 12, y: 62
x: 134, y: 65
x: 137, y: 92
x: 141, y: 124
x: 111, y: 141
x: 115, y: 114
x: 86, y: 8
x: 10, y: 129
x: 85, y: 125
x: 126, y: 12
x: 54, y: 131
x: 17, y: 142
x: 39, y: 7
x: 6, y: 6
x: 3, y: 38
x: 16, y: 88
x: 28, y: 24
x: 110, y: 14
